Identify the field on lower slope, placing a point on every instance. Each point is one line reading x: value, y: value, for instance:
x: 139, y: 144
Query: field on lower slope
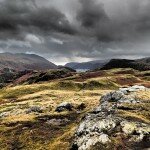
x: 28, y: 119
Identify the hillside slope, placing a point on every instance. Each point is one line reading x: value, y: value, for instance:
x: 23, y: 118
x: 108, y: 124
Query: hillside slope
x: 24, y: 61
x: 29, y: 120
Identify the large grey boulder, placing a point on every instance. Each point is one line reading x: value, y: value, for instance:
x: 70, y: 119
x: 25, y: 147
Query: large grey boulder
x: 100, y: 125
x: 123, y: 95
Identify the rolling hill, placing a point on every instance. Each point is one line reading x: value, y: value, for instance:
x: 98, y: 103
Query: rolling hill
x: 22, y: 61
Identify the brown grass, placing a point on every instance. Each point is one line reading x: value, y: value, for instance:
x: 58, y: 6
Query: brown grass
x: 31, y: 131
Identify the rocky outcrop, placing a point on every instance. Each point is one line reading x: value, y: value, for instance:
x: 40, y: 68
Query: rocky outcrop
x: 104, y: 129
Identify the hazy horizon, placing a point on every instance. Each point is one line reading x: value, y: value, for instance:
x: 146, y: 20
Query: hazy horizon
x: 80, y: 61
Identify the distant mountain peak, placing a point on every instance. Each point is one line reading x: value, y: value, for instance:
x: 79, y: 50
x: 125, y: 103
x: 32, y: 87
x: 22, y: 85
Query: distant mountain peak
x: 22, y: 61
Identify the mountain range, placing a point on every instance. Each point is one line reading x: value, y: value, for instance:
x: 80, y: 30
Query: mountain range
x: 91, y: 65
x: 138, y: 64
x: 21, y: 61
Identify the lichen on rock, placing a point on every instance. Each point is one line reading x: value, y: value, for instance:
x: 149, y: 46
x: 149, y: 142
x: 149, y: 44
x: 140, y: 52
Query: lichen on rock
x: 102, y: 125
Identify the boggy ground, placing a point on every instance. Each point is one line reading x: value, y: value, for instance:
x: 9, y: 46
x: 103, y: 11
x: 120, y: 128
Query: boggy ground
x: 43, y: 128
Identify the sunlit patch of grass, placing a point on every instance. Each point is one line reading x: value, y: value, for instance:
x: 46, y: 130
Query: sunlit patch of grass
x: 7, y: 107
x: 18, y: 118
x: 19, y: 91
x: 122, y: 71
x: 133, y: 116
x: 100, y: 84
x: 67, y: 85
x: 143, y: 95
x: 15, y: 92
x: 138, y: 111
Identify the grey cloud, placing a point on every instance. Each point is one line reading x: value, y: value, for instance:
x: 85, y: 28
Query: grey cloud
x: 133, y: 21
x: 70, y: 29
x: 91, y: 13
x: 18, y: 16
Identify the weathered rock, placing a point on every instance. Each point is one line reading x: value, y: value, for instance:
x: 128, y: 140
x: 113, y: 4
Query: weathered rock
x: 95, y: 123
x: 132, y: 89
x: 128, y: 127
x: 81, y: 106
x: 57, y: 122
x: 104, y: 138
x: 36, y: 109
x: 123, y: 95
x: 117, y: 95
x: 64, y: 106
x: 102, y: 123
x: 90, y: 140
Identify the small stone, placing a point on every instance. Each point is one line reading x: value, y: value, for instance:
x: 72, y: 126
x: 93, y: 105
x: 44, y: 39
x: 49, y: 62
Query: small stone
x: 4, y: 114
x: 64, y: 106
x: 36, y: 109
x: 57, y: 122
x: 82, y: 106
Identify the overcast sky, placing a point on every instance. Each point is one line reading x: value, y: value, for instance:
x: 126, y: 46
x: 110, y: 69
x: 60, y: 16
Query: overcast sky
x: 76, y: 30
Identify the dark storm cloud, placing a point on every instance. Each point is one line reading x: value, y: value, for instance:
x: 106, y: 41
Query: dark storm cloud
x: 134, y: 19
x: 91, y: 13
x: 18, y: 15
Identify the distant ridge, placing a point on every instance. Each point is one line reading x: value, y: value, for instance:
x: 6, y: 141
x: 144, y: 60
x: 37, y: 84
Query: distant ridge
x: 91, y: 65
x: 138, y: 64
x: 21, y: 61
